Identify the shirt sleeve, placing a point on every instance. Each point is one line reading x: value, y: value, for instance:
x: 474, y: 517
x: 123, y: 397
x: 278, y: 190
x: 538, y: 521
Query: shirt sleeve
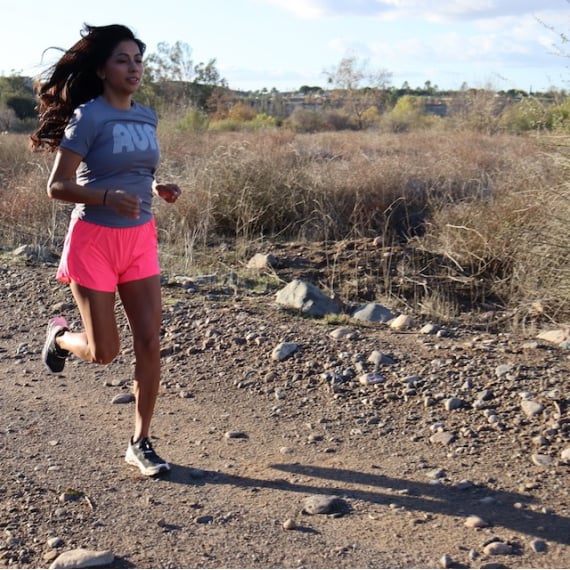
x: 80, y: 132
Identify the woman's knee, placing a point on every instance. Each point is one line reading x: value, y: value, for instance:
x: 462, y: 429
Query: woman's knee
x: 147, y: 344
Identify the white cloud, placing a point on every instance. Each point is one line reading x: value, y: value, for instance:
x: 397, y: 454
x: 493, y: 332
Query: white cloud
x: 430, y: 10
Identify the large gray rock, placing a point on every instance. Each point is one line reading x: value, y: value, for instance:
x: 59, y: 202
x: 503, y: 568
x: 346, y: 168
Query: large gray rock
x: 308, y: 298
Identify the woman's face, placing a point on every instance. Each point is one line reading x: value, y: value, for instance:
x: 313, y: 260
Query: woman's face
x: 122, y: 72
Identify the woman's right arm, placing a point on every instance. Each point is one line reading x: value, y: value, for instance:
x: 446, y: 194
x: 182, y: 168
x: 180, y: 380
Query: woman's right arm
x: 62, y: 185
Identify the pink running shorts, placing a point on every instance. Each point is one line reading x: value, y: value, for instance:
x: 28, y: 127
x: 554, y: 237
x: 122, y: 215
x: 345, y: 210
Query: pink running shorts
x: 100, y: 258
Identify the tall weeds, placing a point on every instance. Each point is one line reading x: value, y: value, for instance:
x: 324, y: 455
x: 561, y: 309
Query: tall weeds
x: 485, y: 214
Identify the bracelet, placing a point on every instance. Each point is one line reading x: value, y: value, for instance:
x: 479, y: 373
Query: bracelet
x: 105, y: 198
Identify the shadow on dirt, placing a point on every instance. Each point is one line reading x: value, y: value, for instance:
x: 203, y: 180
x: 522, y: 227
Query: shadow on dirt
x: 419, y: 497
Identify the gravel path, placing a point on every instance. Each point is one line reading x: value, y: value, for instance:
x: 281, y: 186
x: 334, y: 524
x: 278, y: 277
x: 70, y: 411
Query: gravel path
x: 378, y: 448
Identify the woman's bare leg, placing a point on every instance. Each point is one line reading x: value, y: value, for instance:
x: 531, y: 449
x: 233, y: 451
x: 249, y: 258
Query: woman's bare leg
x: 142, y: 302
x: 99, y: 342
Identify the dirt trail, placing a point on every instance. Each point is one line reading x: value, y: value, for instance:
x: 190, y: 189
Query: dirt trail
x: 250, y: 439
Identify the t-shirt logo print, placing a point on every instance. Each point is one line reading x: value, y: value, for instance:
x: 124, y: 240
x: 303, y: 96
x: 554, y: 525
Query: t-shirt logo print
x: 128, y: 137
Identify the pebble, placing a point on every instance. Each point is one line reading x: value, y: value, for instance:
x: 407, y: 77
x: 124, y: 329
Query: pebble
x: 531, y: 408
x: 453, y: 404
x: 289, y: 524
x: 475, y: 521
x: 125, y: 398
x: 497, y: 548
x: 542, y: 460
x: 236, y: 435
x: 443, y: 438
x: 83, y: 558
x: 369, y: 379
x: 538, y: 545
x: 284, y: 350
x: 324, y: 505
x: 54, y: 542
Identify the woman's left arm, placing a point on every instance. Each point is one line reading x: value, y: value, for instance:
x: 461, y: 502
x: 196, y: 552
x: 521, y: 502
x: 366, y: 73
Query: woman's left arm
x: 168, y: 192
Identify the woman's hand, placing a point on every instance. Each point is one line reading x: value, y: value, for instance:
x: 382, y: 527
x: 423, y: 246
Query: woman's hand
x: 124, y: 203
x: 168, y: 192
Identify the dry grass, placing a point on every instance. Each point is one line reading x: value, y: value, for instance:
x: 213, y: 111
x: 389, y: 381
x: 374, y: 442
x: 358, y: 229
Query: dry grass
x: 490, y: 212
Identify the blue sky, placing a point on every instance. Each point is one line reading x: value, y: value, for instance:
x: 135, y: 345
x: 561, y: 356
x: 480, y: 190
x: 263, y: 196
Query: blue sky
x: 285, y: 44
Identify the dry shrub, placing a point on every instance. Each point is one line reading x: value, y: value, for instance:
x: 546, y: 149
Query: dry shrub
x: 27, y: 215
x: 482, y: 218
x: 510, y: 245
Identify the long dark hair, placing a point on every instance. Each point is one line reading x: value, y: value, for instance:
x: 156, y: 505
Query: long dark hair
x: 73, y: 80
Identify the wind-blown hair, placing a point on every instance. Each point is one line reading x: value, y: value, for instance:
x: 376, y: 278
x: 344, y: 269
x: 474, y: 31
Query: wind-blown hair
x: 73, y: 80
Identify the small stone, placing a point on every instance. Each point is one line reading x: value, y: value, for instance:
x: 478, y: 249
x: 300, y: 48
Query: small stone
x: 54, y: 542
x: 442, y: 437
x: 343, y: 332
x: 503, y: 370
x: 236, y: 435
x: 474, y: 521
x: 538, y: 545
x: 82, y: 558
x: 497, y: 548
x: 324, y: 505
x: 125, y: 398
x: 370, y: 379
x: 401, y: 322
x: 541, y: 460
x: 531, y: 408
x: 453, y: 404
x: 446, y: 561
x: 290, y: 524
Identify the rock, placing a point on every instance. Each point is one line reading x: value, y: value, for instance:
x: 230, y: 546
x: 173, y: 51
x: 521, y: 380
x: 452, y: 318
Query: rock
x: 446, y: 561
x: 503, y: 370
x: 377, y: 358
x: 555, y: 336
x: 262, y: 261
x: 565, y: 455
x: 324, y: 505
x: 453, y: 404
x: 54, y: 542
x: 284, y: 350
x: 125, y: 398
x: 475, y: 521
x: 370, y: 379
x: 308, y: 298
x: 373, y: 312
x: 401, y: 322
x: 236, y: 435
x: 541, y: 460
x: 443, y: 438
x: 343, y: 332
x: 538, y: 545
x: 83, y: 558
x: 531, y: 408
x: 289, y: 524
x: 497, y: 548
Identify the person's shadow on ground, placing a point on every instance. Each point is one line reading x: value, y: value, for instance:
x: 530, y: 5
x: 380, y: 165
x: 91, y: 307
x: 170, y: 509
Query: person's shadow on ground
x: 419, y: 497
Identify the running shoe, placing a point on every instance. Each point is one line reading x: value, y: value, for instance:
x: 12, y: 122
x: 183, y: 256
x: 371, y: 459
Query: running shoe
x: 142, y: 455
x: 52, y: 355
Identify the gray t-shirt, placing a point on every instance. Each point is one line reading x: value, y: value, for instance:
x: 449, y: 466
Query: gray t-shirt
x: 120, y: 152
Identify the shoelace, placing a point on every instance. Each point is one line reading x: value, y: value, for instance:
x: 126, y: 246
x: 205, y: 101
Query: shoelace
x: 146, y: 448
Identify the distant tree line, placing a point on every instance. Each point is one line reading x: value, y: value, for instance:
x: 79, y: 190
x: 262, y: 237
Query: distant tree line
x: 355, y: 97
